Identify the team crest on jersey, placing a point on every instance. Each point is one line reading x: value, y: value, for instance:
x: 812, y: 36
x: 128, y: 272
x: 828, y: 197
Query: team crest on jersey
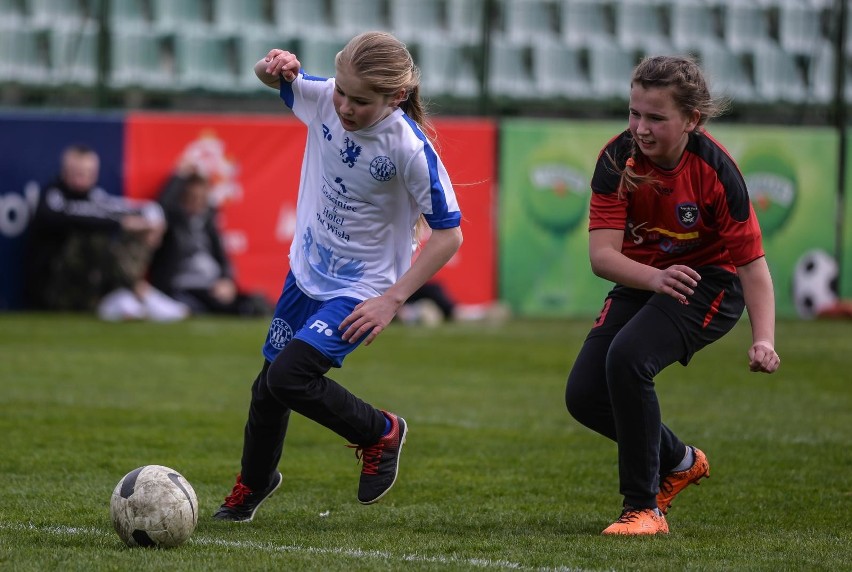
x: 382, y: 168
x: 280, y: 333
x: 351, y: 152
x: 687, y: 214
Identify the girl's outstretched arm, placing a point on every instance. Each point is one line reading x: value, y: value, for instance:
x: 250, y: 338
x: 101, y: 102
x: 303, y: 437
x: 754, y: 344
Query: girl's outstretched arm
x: 372, y: 316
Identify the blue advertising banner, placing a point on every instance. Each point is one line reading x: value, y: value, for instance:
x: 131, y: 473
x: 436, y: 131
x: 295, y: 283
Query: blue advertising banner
x: 30, y: 148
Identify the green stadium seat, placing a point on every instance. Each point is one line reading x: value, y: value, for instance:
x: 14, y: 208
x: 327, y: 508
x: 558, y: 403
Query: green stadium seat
x: 206, y: 61
x: 586, y: 21
x: 447, y: 69
x: 414, y: 20
x: 352, y: 17
x: 23, y: 54
x: 465, y: 20
x: 141, y: 58
x: 74, y: 54
x: 527, y: 21
x: 561, y: 71
x: 130, y: 14
x: 777, y: 77
x: 641, y: 24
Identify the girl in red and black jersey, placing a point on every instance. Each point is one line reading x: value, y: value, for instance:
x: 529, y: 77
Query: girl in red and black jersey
x: 672, y: 226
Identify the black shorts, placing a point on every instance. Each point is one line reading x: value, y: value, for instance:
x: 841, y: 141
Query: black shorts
x: 713, y: 310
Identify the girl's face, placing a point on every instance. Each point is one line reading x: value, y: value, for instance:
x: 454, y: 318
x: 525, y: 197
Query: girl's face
x: 659, y: 127
x: 357, y: 105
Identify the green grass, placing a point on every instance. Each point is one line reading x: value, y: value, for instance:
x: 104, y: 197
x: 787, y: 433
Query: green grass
x: 495, y: 475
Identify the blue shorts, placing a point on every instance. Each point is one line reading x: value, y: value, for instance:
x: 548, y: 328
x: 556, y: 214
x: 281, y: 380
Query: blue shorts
x: 313, y: 321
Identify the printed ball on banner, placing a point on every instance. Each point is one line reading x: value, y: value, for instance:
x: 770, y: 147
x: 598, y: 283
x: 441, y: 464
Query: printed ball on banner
x: 814, y: 283
x: 154, y: 506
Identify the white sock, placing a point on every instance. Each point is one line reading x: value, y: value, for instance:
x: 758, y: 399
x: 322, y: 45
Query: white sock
x: 687, y: 462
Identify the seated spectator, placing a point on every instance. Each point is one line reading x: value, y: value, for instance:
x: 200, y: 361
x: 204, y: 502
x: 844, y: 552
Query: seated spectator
x: 89, y: 250
x: 191, y: 264
x: 431, y: 305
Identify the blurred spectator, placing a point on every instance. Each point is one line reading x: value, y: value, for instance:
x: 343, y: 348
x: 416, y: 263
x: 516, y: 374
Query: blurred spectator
x: 431, y: 305
x: 89, y: 250
x: 191, y: 264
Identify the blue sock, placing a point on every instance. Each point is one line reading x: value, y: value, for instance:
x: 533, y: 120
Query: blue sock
x: 388, y: 426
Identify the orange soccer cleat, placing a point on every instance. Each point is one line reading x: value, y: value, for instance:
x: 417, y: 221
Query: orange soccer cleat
x: 675, y: 482
x: 638, y: 521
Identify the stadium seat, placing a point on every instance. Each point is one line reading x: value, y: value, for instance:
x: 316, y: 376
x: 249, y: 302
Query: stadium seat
x: 352, y: 17
x: 205, y: 61
x: 525, y: 21
x: 746, y: 25
x: 821, y: 74
x: 510, y: 71
x: 58, y: 13
x: 641, y: 24
x: 695, y: 23
x: 447, y: 69
x: 130, y: 14
x: 727, y: 73
x: 777, y: 77
x: 141, y: 58
x: 74, y: 54
x: 183, y: 16
x: 587, y: 21
x: 561, y: 71
x: 23, y: 54
x: 610, y: 68
x: 799, y: 27
x: 302, y: 17
x: 243, y: 17
x: 12, y: 13
x: 414, y: 20
x: 465, y: 20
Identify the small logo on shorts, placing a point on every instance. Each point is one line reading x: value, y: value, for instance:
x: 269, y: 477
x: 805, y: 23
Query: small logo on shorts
x: 280, y: 333
x: 382, y: 168
x: 321, y: 327
x: 687, y: 214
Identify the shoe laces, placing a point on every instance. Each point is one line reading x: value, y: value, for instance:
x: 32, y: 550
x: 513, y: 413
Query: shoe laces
x: 238, y: 494
x: 369, y: 456
x: 629, y: 515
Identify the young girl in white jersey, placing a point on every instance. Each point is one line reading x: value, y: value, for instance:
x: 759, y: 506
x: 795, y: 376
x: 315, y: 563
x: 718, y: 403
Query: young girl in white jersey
x: 369, y: 174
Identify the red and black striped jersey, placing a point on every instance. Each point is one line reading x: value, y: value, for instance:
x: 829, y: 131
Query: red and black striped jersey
x: 697, y: 214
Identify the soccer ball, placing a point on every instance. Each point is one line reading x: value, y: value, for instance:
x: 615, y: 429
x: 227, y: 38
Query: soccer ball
x: 814, y: 283
x: 154, y: 506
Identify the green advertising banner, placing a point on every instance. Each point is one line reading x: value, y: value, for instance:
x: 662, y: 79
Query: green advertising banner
x: 545, y: 169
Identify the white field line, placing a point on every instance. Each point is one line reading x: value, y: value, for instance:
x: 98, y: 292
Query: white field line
x: 355, y: 553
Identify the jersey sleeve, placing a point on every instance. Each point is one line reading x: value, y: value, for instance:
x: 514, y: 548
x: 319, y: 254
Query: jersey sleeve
x: 737, y: 222
x: 303, y: 94
x: 607, y: 210
x: 429, y: 183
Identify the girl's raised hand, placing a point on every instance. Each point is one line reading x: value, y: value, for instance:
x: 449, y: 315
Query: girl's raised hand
x: 282, y: 63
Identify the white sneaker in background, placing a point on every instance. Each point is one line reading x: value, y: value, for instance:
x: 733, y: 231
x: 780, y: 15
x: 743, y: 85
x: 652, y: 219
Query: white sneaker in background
x: 161, y: 308
x: 121, y: 305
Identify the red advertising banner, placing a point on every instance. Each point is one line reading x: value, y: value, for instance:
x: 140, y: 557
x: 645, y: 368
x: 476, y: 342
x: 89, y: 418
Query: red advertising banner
x: 254, y: 162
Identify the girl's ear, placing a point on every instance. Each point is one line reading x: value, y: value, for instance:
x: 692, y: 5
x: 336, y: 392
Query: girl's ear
x: 398, y: 97
x: 692, y: 120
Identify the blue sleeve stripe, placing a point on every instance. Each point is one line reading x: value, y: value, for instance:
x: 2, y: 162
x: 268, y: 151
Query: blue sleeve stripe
x: 441, y: 217
x: 286, y: 92
x: 286, y: 88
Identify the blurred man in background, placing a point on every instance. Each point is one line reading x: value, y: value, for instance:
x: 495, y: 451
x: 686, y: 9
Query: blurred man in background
x: 89, y: 251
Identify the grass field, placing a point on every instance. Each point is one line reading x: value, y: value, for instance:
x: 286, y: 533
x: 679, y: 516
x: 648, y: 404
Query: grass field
x: 495, y: 474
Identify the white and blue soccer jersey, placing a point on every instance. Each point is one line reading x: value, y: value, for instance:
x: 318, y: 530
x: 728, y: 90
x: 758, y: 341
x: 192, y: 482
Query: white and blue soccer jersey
x: 360, y: 196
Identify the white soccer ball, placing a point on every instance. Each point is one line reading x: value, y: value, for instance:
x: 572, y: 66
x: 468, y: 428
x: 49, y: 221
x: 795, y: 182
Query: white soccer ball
x: 154, y: 506
x: 814, y: 283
